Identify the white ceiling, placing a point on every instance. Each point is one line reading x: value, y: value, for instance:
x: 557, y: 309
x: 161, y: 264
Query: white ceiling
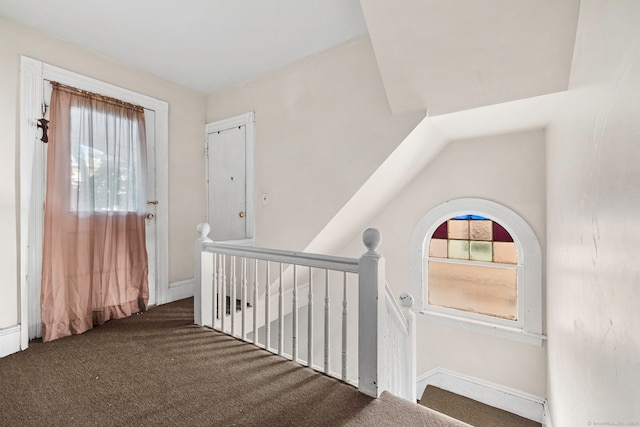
x: 205, y: 45
x: 446, y: 56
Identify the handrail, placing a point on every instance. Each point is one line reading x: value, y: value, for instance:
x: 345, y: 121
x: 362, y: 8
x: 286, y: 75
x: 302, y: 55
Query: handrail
x: 349, y: 265
x: 385, y: 329
x: 395, y: 307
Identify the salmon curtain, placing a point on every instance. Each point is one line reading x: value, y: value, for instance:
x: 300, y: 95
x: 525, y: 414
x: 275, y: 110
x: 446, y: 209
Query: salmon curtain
x: 94, y: 254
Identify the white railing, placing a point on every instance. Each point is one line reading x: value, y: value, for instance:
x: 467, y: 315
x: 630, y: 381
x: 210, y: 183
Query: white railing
x: 270, y: 298
x: 400, y: 376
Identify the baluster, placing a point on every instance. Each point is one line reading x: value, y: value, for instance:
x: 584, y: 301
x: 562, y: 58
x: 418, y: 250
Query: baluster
x: 255, y: 301
x: 243, y: 298
x: 310, y: 323
x: 280, y: 313
x: 294, y: 343
x: 344, y: 327
x: 267, y: 325
x: 215, y: 291
x: 232, y: 297
x: 326, y: 323
x: 223, y: 297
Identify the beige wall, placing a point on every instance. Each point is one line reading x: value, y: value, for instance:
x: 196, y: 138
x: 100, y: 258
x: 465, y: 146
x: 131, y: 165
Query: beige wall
x: 186, y: 167
x: 593, y: 189
x: 508, y: 169
x: 323, y: 125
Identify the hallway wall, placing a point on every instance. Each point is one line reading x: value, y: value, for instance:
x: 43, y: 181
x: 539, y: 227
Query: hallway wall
x: 593, y: 198
x: 508, y: 169
x: 322, y: 126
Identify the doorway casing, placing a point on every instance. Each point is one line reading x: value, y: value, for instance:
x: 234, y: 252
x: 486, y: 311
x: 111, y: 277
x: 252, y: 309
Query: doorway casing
x: 246, y: 121
x: 32, y: 188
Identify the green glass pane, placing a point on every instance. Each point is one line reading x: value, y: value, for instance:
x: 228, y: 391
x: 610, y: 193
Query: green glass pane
x: 481, y: 230
x: 459, y: 249
x: 481, y: 251
x: 458, y: 229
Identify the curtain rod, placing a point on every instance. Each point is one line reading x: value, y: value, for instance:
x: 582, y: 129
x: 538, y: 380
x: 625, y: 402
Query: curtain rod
x: 97, y: 96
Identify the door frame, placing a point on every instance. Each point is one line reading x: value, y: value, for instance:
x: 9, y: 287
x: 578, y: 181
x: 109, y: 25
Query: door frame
x: 247, y: 120
x: 32, y: 75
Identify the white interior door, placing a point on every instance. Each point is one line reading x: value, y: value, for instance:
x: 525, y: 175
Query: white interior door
x: 227, y: 184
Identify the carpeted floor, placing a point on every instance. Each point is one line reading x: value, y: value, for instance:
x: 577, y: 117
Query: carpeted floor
x: 471, y: 411
x: 157, y: 368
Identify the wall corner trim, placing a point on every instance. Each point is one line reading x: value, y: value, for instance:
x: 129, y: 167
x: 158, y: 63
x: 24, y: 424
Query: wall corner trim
x: 515, y: 401
x: 547, y: 415
x: 181, y: 290
x: 10, y: 340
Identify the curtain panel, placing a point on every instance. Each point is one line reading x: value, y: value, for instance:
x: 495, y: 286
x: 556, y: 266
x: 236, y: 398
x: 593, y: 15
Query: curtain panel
x: 94, y: 249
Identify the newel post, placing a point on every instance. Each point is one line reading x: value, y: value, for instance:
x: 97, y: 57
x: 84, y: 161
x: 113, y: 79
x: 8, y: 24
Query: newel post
x: 202, y: 292
x: 371, y: 311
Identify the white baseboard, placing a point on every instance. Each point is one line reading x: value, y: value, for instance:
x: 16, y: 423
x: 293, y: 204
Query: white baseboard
x: 9, y: 340
x: 505, y: 398
x: 180, y: 290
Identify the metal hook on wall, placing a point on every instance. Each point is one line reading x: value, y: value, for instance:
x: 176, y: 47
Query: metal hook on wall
x: 44, y: 125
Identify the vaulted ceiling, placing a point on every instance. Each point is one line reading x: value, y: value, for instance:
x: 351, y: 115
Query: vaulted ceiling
x: 436, y: 55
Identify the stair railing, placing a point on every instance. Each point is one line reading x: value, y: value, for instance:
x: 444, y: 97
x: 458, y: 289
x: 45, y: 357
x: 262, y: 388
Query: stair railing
x: 258, y: 295
x: 400, y: 377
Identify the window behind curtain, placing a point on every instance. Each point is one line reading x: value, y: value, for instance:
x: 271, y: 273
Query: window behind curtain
x: 104, y: 176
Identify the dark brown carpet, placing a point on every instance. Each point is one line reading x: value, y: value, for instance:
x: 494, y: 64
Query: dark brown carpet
x: 470, y: 411
x: 157, y: 368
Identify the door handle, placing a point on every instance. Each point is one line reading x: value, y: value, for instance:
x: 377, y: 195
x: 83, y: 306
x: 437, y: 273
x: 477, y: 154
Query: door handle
x: 150, y: 216
x: 152, y: 202
x: 241, y: 214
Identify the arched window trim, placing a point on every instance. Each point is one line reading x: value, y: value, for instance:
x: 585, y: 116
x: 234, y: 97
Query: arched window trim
x: 528, y: 327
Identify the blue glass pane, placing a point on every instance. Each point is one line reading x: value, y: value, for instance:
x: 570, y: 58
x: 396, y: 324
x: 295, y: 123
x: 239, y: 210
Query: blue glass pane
x: 462, y: 217
x: 477, y: 217
x: 469, y: 217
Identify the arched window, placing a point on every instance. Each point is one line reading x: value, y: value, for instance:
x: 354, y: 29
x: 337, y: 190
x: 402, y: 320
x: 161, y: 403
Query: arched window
x: 477, y: 264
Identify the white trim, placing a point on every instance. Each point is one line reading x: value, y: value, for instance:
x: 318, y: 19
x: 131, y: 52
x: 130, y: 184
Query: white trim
x: 31, y: 205
x: 32, y: 75
x: 508, y: 399
x: 10, y: 340
x: 529, y: 267
x: 547, y: 415
x: 239, y: 242
x: 479, y: 326
x: 181, y: 290
x: 248, y: 121
x: 232, y: 122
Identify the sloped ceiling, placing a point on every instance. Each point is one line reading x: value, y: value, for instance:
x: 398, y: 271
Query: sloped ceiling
x: 450, y: 55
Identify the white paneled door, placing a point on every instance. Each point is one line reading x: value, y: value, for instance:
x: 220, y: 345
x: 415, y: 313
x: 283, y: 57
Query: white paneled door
x: 227, y: 183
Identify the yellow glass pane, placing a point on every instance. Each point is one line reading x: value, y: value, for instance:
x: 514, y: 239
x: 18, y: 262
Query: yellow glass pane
x: 481, y: 251
x: 477, y: 289
x: 505, y: 252
x: 459, y: 249
x: 438, y: 248
x: 481, y: 230
x: 458, y: 229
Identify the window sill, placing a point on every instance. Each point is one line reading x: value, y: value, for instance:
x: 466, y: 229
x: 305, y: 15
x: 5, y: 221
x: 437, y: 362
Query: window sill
x: 488, y: 328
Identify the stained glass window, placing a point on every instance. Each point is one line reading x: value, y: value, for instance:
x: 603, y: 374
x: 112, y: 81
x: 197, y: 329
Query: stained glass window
x: 472, y: 267
x: 473, y: 237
